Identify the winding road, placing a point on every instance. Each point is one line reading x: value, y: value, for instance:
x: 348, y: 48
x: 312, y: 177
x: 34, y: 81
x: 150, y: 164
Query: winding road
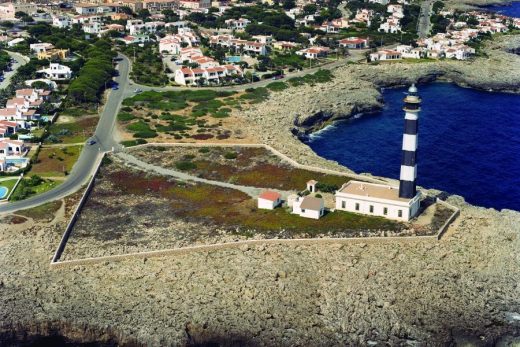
x: 423, y: 23
x: 20, y: 60
x: 90, y: 155
x: 104, y: 135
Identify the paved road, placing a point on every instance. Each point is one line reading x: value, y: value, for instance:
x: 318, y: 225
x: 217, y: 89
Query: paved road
x: 105, y: 134
x: 20, y: 61
x: 423, y: 24
x: 90, y: 155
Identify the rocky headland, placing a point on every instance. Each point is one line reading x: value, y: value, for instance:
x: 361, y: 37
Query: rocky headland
x: 461, y: 291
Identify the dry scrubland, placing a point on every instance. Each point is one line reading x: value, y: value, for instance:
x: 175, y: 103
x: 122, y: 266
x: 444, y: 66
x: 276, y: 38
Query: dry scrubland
x: 465, y: 288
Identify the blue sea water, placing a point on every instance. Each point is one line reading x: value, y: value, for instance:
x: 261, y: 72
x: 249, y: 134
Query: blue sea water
x: 469, y: 143
x: 512, y: 10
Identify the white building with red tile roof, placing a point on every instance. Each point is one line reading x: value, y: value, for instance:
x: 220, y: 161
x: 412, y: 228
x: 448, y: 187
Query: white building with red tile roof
x: 314, y: 52
x: 269, y: 200
x: 354, y: 42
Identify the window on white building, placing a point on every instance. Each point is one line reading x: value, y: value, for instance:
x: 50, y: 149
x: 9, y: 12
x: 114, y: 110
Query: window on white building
x: 357, y: 206
x: 371, y: 209
x: 385, y: 211
x: 399, y: 213
x: 343, y: 204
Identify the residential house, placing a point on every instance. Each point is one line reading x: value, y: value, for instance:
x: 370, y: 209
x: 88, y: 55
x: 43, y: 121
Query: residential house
x: 195, y: 4
x: 385, y: 54
x: 61, y: 22
x: 285, y: 45
x: 391, y: 25
x: 57, y: 72
x: 160, y: 5
x: 354, y: 43
x: 237, y: 24
x: 187, y: 76
x: 314, y: 52
x: 135, y: 39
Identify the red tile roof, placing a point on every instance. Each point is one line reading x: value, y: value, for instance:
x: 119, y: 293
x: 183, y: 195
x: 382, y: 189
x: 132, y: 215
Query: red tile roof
x: 270, y: 195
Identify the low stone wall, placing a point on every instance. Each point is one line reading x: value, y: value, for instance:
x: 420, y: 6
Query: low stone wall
x: 238, y: 244
x: 77, y: 211
x: 454, y: 215
x: 244, y: 245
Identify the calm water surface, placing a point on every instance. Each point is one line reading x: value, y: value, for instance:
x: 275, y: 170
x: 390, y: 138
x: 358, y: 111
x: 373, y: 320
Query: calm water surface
x: 469, y: 143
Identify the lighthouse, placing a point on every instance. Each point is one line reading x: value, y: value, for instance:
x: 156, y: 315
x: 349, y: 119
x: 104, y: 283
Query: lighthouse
x: 408, y: 176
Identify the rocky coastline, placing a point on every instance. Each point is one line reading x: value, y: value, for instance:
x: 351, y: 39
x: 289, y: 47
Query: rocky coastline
x: 461, y: 291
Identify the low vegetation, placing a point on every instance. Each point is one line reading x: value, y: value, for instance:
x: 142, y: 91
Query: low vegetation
x: 247, y: 166
x: 31, y: 186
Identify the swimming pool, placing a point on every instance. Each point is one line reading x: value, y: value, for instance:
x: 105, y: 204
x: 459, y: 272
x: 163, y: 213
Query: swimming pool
x: 234, y: 59
x: 3, y: 192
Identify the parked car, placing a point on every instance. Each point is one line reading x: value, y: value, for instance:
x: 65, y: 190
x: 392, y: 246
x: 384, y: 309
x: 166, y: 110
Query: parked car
x: 91, y: 142
x: 279, y: 77
x: 138, y: 90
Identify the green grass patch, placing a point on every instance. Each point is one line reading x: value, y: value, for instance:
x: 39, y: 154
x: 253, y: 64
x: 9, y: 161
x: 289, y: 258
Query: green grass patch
x: 125, y: 117
x: 139, y: 126
x: 9, y: 184
x: 135, y: 142
x: 185, y: 165
x: 277, y: 86
x: 255, y: 95
x: 32, y: 186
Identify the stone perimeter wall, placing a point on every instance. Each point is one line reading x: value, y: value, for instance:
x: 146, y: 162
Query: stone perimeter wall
x: 56, y: 264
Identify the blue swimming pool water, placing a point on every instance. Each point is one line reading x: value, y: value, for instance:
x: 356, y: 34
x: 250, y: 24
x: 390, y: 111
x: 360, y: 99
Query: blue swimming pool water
x: 469, y: 143
x: 3, y: 192
x: 234, y: 59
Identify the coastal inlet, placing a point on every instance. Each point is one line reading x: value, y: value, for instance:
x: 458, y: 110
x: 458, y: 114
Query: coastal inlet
x: 469, y: 145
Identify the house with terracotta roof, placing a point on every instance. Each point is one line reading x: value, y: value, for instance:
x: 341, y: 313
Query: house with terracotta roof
x: 188, y: 76
x: 354, y: 43
x: 269, y: 200
x: 385, y: 54
x: 8, y: 128
x: 314, y: 52
x: 12, y: 153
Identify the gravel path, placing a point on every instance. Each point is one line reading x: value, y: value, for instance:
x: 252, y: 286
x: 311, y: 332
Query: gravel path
x: 251, y: 191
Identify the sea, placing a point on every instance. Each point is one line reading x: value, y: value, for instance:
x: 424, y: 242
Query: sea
x: 469, y: 142
x: 511, y: 10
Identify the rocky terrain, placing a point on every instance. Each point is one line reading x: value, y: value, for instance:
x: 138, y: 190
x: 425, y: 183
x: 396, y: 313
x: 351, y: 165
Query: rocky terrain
x: 465, y: 288
x: 461, y: 291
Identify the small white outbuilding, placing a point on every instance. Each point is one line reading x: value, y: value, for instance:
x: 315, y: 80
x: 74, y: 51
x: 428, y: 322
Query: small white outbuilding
x: 309, y: 207
x: 269, y: 200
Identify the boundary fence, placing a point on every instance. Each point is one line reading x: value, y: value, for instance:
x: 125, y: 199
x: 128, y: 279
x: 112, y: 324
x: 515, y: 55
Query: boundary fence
x: 77, y: 211
x: 55, y: 263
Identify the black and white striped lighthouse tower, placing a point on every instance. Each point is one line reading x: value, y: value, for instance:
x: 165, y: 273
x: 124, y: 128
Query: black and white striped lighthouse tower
x: 407, y: 179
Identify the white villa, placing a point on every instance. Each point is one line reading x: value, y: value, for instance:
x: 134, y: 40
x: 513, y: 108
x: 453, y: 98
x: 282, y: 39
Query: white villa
x: 187, y: 76
x: 376, y: 200
x: 385, y: 54
x: 308, y: 207
x: 11, y: 151
x: 57, y: 72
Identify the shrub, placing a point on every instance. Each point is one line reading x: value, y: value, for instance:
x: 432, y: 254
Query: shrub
x: 139, y: 126
x: 145, y: 134
x: 204, y: 150
x: 318, y: 196
x: 188, y: 157
x: 185, y: 165
x: 125, y: 117
x: 326, y: 188
x: 277, y: 86
x: 230, y: 155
